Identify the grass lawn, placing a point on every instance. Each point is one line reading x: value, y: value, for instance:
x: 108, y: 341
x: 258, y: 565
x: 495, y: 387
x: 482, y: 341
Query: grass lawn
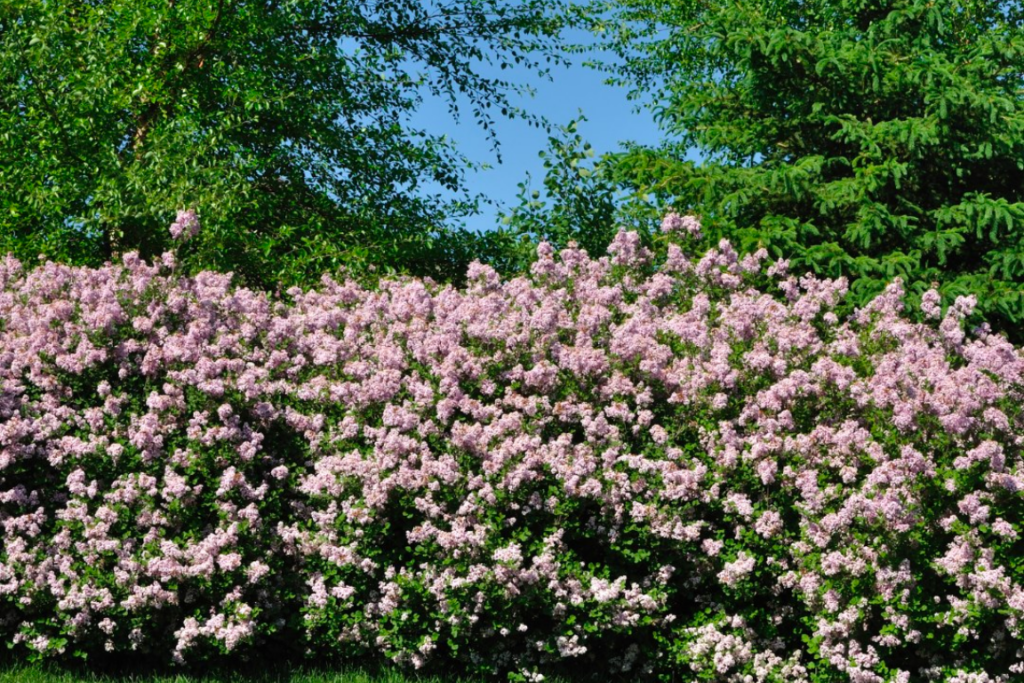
x: 18, y: 673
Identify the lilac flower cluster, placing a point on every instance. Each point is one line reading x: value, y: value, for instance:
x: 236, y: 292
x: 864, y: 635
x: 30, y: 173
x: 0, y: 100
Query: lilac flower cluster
x: 186, y: 225
x: 637, y: 463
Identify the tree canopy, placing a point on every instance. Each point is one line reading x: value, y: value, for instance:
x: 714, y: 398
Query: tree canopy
x: 285, y: 124
x: 868, y: 138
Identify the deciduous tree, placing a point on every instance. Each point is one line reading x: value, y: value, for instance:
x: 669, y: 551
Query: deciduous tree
x: 286, y: 124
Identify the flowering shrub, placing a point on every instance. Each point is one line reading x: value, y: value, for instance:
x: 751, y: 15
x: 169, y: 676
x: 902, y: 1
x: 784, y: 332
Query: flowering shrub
x: 630, y: 464
x: 186, y: 225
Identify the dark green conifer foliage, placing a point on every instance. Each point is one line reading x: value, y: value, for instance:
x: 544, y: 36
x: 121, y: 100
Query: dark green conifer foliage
x: 867, y: 138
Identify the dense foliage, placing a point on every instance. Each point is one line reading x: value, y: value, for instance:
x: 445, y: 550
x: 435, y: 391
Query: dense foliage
x: 285, y: 124
x: 635, y: 463
x: 866, y: 138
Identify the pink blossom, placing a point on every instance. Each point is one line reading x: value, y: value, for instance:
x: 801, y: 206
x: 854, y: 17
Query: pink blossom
x: 186, y: 225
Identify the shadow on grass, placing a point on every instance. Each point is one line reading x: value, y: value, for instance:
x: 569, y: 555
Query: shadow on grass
x: 244, y: 672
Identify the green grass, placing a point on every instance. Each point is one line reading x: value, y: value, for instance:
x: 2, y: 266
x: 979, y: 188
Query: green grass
x: 25, y: 673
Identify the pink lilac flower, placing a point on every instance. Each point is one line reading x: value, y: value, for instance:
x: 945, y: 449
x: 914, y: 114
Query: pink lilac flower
x: 186, y: 225
x: 620, y: 442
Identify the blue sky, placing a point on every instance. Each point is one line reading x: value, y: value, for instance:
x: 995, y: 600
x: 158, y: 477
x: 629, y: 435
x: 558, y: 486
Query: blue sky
x: 611, y: 119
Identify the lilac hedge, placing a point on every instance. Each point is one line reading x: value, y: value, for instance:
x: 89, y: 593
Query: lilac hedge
x: 628, y: 464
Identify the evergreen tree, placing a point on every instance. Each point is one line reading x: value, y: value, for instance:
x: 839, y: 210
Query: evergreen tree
x: 867, y: 138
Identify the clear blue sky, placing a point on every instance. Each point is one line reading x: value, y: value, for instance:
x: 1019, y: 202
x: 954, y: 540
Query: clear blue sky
x: 610, y: 120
